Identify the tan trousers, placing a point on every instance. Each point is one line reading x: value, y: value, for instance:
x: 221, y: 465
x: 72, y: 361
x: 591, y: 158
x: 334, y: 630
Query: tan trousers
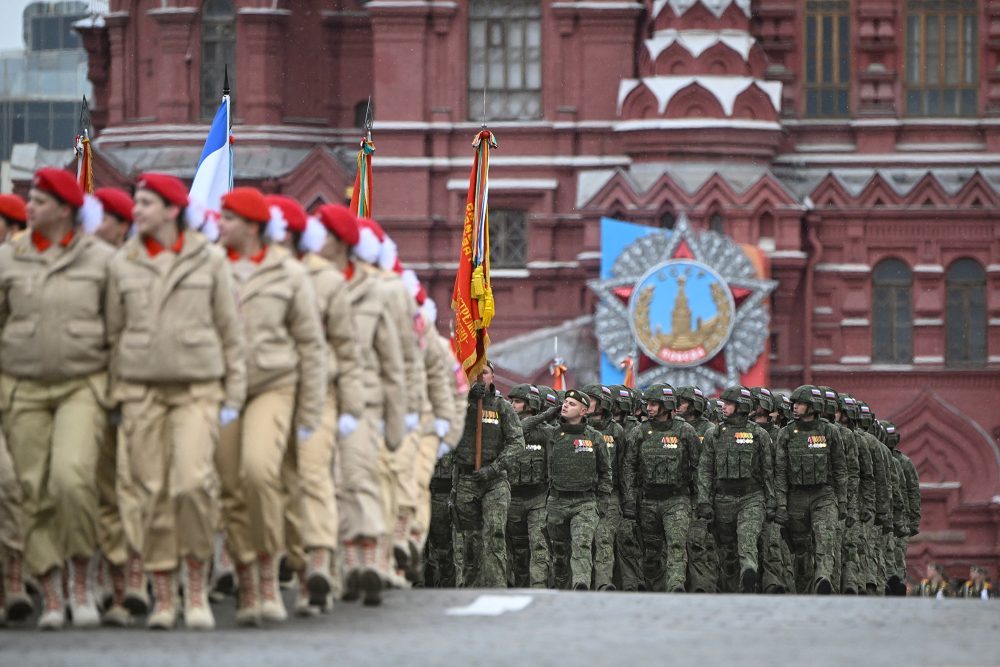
x: 110, y: 531
x: 54, y: 430
x: 249, y: 461
x: 356, y: 478
x: 11, y: 522
x: 311, y: 512
x: 170, y: 432
x: 423, y: 470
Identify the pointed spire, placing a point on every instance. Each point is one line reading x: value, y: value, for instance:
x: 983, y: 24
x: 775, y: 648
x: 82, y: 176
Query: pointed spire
x: 225, y: 81
x: 85, y: 118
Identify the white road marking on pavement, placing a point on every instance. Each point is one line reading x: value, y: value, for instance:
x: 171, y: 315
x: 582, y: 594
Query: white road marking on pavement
x: 491, y: 605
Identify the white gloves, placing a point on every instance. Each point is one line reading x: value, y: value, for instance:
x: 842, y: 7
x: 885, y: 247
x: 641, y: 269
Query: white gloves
x: 303, y: 433
x: 443, y: 449
x: 227, y: 415
x: 441, y: 427
x: 347, y: 424
x: 412, y: 419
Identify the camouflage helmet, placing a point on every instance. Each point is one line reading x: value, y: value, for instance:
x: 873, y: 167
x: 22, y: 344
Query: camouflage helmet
x: 830, y: 401
x: 738, y: 395
x: 811, y: 396
x: 622, y: 398
x: 891, y: 433
x: 765, y: 399
x: 664, y: 393
x: 849, y: 407
x: 602, y: 394
x: 693, y: 394
x: 550, y: 399
x: 529, y: 394
x: 784, y: 406
x: 865, y: 414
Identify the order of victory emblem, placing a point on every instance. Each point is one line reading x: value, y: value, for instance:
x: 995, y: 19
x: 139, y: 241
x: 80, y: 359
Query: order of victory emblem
x: 689, y: 308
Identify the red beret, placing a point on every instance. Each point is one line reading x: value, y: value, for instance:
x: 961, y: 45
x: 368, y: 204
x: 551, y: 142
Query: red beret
x: 61, y: 184
x: 12, y: 208
x: 291, y: 210
x: 170, y: 188
x: 115, y: 202
x: 248, y: 203
x: 340, y: 222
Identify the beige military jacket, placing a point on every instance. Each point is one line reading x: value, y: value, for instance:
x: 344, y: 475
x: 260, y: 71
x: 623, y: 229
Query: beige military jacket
x: 344, y: 358
x: 175, y: 321
x: 375, y: 328
x: 52, y: 308
x: 438, y: 363
x: 285, y: 343
x: 404, y: 308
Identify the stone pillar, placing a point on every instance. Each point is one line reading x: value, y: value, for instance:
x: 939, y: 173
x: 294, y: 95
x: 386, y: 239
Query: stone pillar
x: 400, y: 82
x: 173, y: 67
x: 117, y: 25
x: 260, y: 39
x: 95, y: 41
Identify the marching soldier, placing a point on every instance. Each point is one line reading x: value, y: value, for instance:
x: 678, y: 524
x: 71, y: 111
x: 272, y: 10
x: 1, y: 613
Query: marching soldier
x: 312, y: 510
x: 977, y: 586
x: 658, y: 479
x: 116, y: 219
x: 529, y: 557
x: 484, y: 458
x: 628, y: 543
x: 853, y: 471
x: 856, y: 548
x: 53, y: 360
x: 875, y: 581
x: 910, y: 487
x: 703, y: 557
x: 608, y: 510
x: 16, y: 603
x: 776, y: 560
x: 359, y: 493
x: 810, y: 486
x: 179, y: 372
x: 286, y: 390
x: 735, y: 488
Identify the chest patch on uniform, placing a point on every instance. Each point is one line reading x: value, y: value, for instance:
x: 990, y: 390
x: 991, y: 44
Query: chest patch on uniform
x: 583, y: 446
x: 533, y: 448
x: 670, y: 441
x: 816, y: 442
x: 609, y: 440
x: 491, y: 417
x: 743, y: 438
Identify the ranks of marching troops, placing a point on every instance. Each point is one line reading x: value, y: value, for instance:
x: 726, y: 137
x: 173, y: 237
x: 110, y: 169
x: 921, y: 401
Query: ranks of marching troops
x: 182, y: 417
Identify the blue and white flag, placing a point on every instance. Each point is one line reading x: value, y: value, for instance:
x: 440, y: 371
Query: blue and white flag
x: 214, y: 175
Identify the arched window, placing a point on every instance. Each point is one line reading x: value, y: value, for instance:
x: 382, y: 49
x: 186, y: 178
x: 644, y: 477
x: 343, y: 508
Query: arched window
x: 892, y: 312
x: 717, y: 223
x: 218, y: 51
x: 965, y: 326
x: 667, y: 220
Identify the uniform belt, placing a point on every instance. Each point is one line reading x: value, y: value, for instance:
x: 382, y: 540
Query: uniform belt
x: 556, y: 493
x: 527, y: 490
x: 440, y: 485
x: 741, y: 486
x: 663, y: 491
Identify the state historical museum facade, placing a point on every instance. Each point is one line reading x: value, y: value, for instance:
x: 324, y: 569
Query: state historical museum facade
x: 853, y: 144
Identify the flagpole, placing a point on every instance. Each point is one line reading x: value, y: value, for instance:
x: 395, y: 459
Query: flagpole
x: 226, y: 97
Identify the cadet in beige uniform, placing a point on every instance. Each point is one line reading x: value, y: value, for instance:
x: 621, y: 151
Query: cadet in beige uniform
x: 15, y: 603
x: 286, y: 389
x: 177, y: 370
x: 363, y: 529
x: 53, y: 359
x: 313, y: 510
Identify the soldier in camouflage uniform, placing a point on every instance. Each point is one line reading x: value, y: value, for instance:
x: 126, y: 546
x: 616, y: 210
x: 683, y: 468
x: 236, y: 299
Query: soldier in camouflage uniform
x: 608, y: 511
x: 777, y: 575
x: 875, y: 568
x: 628, y: 542
x: 439, y: 556
x: 528, y: 547
x: 910, y: 487
x: 810, y: 480
x: 482, y: 495
x: 735, y: 477
x: 703, y: 556
x: 850, y: 448
x: 898, y: 526
x: 658, y: 480
x: 579, y: 479
x: 855, y: 548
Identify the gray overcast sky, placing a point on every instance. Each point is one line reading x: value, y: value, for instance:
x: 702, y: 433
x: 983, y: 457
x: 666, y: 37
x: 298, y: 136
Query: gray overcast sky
x: 12, y: 22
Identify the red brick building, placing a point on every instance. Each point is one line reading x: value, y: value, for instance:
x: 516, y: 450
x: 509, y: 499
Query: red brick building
x: 854, y: 142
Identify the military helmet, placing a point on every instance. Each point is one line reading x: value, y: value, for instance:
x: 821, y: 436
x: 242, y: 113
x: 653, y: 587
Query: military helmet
x: 622, y: 398
x: 550, y: 399
x: 764, y: 398
x: 830, y: 401
x: 810, y: 395
x: 601, y: 393
x: 663, y: 393
x: 693, y: 394
x: 891, y: 433
x: 739, y: 395
x: 849, y: 407
x: 865, y: 414
x: 529, y: 394
x: 785, y: 405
